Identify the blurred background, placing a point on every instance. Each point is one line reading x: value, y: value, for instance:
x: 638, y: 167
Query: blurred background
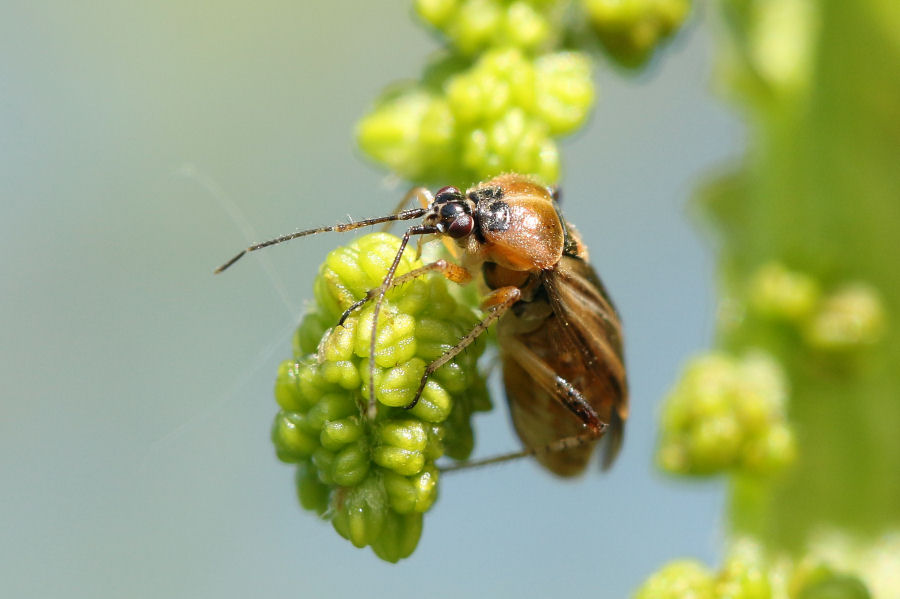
x: 145, y: 143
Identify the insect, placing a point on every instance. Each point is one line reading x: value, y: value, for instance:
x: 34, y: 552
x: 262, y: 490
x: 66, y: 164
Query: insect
x: 559, y: 335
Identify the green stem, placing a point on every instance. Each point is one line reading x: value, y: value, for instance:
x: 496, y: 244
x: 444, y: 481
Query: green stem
x: 820, y: 193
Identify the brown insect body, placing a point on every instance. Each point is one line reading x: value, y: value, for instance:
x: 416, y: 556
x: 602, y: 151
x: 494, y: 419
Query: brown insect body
x: 564, y: 325
x: 559, y: 334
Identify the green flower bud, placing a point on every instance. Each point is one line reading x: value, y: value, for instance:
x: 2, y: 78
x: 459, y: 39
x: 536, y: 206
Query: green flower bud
x: 631, y: 29
x: 350, y: 465
x: 402, y: 446
x: 714, y: 443
x: 836, y: 587
x: 849, y: 318
x: 287, y: 390
x: 770, y: 451
x: 745, y: 574
x: 360, y: 512
x: 310, y: 384
x: 679, y: 580
x: 434, y: 448
x: 436, y: 12
x: 395, y: 386
x: 565, y: 92
x: 332, y: 406
x: 389, y: 134
x: 292, y: 442
x: 778, y: 293
x: 401, y: 461
x: 525, y: 26
x: 343, y: 374
x: 475, y: 24
x: 808, y: 573
x: 339, y: 342
x: 412, y: 493
x: 434, y: 405
x: 323, y: 460
x: 309, y: 333
x: 405, y: 434
x: 399, y: 537
x: 311, y: 492
x: 395, y: 340
x: 338, y: 433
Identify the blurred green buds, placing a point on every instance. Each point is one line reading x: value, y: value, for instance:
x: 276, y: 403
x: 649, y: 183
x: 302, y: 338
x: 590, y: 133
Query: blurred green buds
x: 631, y: 29
x: 748, y: 573
x: 472, y: 121
x: 727, y: 413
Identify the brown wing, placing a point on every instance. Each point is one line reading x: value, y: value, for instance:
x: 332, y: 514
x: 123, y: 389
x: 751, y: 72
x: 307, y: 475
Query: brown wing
x: 579, y: 339
x: 579, y: 298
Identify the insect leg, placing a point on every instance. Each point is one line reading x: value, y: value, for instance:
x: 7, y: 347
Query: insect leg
x: 425, y: 198
x: 563, y: 444
x: 561, y: 390
x: 451, y: 271
x: 496, y: 304
x: 385, y: 285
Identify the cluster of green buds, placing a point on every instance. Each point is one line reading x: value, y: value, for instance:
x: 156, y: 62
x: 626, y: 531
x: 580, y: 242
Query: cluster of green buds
x: 472, y: 26
x: 374, y: 479
x: 727, y: 414
x: 630, y: 30
x: 748, y: 574
x: 498, y: 97
x: 847, y: 318
x: 470, y: 121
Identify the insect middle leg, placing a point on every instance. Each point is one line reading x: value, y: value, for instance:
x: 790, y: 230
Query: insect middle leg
x: 496, y: 304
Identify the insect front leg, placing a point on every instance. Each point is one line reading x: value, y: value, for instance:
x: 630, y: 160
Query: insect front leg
x: 452, y: 272
x: 379, y: 295
x: 496, y: 304
x: 425, y: 199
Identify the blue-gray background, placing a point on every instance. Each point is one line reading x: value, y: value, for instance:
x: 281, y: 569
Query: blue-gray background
x: 143, y: 143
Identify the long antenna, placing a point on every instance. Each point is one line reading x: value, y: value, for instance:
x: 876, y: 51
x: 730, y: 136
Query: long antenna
x: 339, y: 228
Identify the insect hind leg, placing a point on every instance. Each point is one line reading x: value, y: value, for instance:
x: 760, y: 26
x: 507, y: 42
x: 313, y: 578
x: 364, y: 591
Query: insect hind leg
x: 566, y: 443
x: 571, y: 398
x: 566, y: 395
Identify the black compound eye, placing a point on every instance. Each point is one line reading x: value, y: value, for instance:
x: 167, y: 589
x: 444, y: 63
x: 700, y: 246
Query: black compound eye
x: 461, y: 226
x: 447, y: 194
x: 451, y: 210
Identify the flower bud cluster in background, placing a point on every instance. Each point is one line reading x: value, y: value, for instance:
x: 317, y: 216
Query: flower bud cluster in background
x: 727, y: 414
x: 747, y: 573
x: 513, y: 78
